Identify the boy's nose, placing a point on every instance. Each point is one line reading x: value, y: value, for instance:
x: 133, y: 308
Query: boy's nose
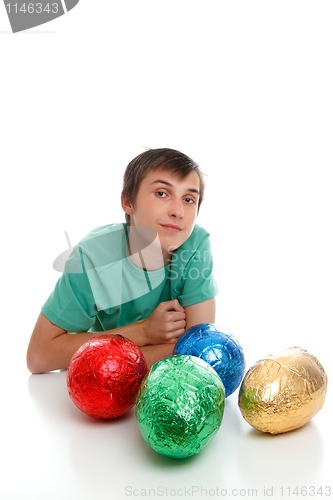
x: 176, y: 210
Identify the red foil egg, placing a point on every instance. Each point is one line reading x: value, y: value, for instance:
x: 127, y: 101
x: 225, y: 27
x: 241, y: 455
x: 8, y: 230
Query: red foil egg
x: 104, y: 376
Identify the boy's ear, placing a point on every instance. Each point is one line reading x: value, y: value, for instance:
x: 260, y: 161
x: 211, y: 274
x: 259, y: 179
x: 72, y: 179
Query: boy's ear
x: 126, y: 204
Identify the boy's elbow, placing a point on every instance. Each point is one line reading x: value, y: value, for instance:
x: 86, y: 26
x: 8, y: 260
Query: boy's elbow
x: 35, y: 362
x: 40, y: 353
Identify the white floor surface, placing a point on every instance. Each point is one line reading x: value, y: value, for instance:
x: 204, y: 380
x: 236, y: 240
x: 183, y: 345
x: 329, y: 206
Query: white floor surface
x: 51, y: 450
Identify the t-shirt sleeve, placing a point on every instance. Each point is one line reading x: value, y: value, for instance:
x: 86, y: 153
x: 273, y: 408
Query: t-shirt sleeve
x: 198, y: 280
x: 71, y: 305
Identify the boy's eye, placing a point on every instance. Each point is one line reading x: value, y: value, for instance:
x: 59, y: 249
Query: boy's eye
x: 162, y: 194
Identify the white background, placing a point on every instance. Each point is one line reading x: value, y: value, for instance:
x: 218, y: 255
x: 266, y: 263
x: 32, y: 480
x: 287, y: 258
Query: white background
x: 245, y: 88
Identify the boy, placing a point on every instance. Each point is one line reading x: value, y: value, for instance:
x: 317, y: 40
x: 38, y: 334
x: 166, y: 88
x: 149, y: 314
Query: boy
x: 149, y: 279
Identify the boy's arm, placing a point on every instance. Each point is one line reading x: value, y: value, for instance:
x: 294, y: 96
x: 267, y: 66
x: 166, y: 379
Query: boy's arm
x: 203, y: 312
x: 52, y: 348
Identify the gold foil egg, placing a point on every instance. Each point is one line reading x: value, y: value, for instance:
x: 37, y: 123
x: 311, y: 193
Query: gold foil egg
x: 283, y: 391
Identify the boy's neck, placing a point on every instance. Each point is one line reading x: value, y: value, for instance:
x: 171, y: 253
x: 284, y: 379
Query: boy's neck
x: 144, y: 249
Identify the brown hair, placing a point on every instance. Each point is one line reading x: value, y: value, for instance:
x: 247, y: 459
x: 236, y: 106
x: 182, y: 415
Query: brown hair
x: 168, y: 159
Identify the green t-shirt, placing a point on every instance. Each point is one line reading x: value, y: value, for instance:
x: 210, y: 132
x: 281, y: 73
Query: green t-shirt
x: 102, y: 289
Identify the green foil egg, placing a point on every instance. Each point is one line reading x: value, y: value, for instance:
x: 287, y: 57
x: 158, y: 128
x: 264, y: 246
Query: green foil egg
x: 180, y: 405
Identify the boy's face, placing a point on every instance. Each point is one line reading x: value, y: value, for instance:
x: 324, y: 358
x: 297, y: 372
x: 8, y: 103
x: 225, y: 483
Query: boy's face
x: 167, y: 204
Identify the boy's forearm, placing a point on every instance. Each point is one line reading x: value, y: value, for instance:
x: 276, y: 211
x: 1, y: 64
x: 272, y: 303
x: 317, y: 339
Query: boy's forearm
x: 137, y: 333
x: 66, y: 345
x: 57, y: 353
x: 134, y: 331
x: 61, y: 350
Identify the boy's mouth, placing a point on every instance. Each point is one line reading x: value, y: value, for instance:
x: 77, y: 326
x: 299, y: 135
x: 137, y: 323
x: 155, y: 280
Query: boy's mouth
x: 171, y: 227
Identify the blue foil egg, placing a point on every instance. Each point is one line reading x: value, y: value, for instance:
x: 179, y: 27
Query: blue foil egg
x: 220, y: 350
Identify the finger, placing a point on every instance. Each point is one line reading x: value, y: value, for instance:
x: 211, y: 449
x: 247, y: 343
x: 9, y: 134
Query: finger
x: 175, y: 316
x: 180, y: 325
x: 175, y: 332
x: 178, y: 334
x: 177, y: 306
x: 172, y: 305
x: 173, y: 340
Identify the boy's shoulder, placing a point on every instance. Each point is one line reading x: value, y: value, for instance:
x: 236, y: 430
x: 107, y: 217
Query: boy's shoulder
x: 199, y: 232
x: 103, y: 245
x: 196, y: 238
x: 106, y: 230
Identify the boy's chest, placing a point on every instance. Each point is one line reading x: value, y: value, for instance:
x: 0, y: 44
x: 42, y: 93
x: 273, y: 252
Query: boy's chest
x: 136, y: 309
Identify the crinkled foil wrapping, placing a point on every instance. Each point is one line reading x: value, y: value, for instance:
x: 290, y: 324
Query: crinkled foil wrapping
x: 220, y: 350
x: 104, y: 376
x: 283, y: 391
x: 180, y: 405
